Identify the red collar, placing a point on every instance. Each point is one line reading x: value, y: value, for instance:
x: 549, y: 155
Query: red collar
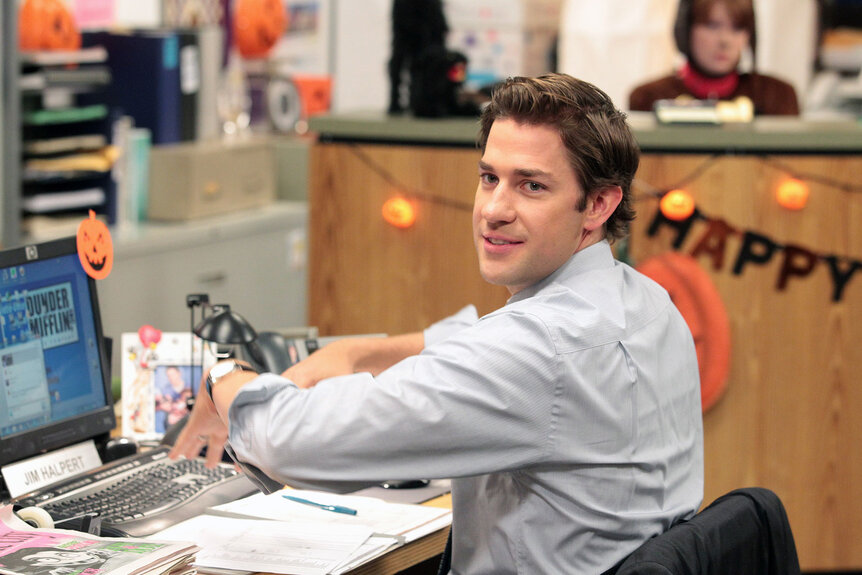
x: 708, y: 88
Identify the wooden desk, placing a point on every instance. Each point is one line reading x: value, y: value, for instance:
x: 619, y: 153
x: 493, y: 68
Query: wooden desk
x: 411, y: 554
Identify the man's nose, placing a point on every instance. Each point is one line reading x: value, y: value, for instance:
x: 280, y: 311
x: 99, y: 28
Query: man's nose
x: 500, y: 207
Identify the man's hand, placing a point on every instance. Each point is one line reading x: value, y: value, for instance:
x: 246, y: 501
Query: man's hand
x: 203, y: 428
x: 330, y: 361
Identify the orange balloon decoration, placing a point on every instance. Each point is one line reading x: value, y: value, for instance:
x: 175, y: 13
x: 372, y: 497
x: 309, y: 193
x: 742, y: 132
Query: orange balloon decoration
x: 700, y: 304
x: 47, y: 25
x: 258, y: 25
x: 792, y: 194
x: 95, y: 247
x: 399, y: 212
x: 677, y: 205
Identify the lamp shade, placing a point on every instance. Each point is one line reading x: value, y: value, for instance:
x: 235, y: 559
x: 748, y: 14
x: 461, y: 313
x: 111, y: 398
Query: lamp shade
x: 226, y: 327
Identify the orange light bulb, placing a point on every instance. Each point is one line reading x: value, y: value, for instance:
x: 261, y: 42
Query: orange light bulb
x: 399, y: 212
x: 792, y: 194
x: 677, y: 205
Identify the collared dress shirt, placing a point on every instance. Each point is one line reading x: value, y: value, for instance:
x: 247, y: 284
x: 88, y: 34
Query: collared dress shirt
x: 569, y: 421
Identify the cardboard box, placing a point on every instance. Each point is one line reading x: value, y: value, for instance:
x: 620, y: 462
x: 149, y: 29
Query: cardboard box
x: 208, y: 178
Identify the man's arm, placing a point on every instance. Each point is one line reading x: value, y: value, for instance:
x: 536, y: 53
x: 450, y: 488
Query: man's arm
x: 355, y: 354
x: 341, y: 357
x: 208, y: 422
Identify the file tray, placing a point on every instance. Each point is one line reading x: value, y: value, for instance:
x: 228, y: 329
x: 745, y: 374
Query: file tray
x: 208, y: 178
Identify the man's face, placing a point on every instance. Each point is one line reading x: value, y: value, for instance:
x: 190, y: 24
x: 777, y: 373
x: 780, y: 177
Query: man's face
x: 175, y: 378
x: 717, y: 44
x: 525, y: 218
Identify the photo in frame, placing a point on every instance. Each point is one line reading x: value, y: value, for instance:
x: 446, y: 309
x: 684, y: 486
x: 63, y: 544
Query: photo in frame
x: 160, y: 372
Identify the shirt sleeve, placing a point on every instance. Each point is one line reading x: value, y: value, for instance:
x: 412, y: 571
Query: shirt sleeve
x: 466, y: 317
x: 476, y: 402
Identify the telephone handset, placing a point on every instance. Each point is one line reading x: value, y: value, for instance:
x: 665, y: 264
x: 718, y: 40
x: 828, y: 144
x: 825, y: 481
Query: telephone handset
x: 261, y: 480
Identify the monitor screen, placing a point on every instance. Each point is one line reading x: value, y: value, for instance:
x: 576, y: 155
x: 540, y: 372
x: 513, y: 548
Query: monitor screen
x: 53, y: 369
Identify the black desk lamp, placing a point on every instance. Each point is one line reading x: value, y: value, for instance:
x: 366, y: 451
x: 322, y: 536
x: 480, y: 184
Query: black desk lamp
x: 222, y: 326
x: 225, y: 327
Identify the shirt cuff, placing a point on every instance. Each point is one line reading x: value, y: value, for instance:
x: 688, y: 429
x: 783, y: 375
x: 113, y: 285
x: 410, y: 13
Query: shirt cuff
x: 259, y: 390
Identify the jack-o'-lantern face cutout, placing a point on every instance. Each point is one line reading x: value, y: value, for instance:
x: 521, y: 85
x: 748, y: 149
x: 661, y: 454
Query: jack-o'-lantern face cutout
x: 95, y: 247
x: 47, y: 25
x: 258, y: 25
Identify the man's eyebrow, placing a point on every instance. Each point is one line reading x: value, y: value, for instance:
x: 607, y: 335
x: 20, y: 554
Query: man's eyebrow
x: 527, y: 173
x: 524, y: 172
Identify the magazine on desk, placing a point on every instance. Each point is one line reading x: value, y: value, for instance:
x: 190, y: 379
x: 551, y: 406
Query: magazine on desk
x: 26, y: 550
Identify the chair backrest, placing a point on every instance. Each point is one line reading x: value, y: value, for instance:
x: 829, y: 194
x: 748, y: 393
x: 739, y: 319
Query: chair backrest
x: 745, y: 531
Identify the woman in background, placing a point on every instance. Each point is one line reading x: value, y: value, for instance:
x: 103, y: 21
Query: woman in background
x: 713, y: 34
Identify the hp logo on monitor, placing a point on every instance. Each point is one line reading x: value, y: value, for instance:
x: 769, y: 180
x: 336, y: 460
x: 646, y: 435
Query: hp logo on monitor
x: 31, y: 253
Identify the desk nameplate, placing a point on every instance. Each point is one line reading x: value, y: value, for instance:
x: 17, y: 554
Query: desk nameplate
x: 34, y: 473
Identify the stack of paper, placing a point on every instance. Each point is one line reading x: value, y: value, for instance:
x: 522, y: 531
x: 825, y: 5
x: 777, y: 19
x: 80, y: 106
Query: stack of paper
x: 251, y: 545
x: 273, y: 534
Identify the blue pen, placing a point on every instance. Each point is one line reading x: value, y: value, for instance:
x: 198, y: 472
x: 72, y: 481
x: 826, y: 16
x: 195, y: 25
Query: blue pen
x: 324, y: 506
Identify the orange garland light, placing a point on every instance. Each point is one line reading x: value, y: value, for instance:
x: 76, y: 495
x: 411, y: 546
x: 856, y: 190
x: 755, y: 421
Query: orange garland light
x: 792, y: 194
x: 399, y: 212
x: 677, y: 205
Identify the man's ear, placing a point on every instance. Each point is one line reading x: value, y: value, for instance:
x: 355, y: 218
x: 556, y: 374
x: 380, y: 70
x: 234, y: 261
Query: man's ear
x: 600, y: 206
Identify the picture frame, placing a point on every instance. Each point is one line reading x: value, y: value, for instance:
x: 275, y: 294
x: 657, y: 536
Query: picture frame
x: 160, y: 373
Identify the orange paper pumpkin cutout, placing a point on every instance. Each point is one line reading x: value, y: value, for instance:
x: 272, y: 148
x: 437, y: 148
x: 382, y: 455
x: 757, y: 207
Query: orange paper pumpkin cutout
x: 258, y: 25
x: 95, y: 247
x: 47, y: 25
x: 700, y: 304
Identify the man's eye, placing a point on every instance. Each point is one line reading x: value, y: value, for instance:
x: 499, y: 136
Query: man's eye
x: 488, y: 178
x: 534, y: 187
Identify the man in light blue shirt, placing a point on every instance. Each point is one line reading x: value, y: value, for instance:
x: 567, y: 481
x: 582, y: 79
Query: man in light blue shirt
x: 569, y: 419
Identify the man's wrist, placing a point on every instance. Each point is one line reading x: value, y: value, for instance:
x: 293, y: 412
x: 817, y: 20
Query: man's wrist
x: 221, y: 370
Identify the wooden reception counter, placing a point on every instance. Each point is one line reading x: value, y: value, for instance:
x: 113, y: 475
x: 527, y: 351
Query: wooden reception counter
x: 791, y: 281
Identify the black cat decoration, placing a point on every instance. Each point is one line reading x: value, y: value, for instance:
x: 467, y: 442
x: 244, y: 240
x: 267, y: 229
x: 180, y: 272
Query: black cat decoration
x: 422, y: 70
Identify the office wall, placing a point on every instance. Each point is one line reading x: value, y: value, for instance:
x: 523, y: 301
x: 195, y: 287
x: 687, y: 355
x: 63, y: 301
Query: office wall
x: 617, y: 44
x: 787, y: 40
x: 361, y: 38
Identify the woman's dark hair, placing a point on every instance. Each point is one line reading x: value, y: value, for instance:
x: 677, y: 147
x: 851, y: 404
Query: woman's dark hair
x: 690, y: 12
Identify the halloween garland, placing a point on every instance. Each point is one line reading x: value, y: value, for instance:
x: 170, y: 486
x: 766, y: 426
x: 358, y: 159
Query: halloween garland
x: 756, y: 249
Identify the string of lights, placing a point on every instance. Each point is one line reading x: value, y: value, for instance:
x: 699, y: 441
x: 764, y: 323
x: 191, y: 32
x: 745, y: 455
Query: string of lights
x: 402, y: 188
x: 678, y: 209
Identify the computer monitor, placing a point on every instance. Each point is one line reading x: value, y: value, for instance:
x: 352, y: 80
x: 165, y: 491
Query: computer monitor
x: 53, y: 368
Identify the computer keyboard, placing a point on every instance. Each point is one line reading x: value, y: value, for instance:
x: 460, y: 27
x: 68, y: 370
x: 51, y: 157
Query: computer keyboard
x: 142, y: 494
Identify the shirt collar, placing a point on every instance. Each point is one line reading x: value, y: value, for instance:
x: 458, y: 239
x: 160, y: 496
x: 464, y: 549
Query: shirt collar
x: 596, y: 256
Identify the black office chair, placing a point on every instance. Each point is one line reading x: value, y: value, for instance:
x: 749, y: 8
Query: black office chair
x: 743, y: 532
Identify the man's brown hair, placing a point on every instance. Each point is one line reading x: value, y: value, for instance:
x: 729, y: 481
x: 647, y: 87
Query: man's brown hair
x: 600, y: 146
